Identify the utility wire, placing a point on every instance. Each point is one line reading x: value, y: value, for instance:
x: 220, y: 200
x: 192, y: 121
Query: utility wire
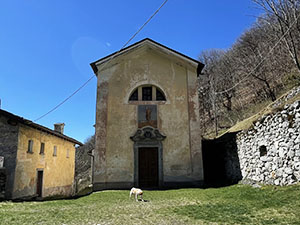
x: 252, y: 71
x: 82, y: 86
x: 150, y: 18
x: 133, y: 36
x: 66, y: 99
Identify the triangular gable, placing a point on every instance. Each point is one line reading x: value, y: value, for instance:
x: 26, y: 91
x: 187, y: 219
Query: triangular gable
x: 155, y: 45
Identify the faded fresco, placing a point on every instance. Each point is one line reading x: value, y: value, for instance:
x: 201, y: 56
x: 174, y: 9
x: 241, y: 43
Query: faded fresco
x: 147, y: 116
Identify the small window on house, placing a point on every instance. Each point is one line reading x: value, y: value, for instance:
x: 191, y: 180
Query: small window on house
x: 160, y: 96
x: 68, y: 153
x: 147, y: 93
x: 263, y: 150
x: 55, y: 151
x: 134, y: 96
x: 42, y: 150
x: 30, y: 146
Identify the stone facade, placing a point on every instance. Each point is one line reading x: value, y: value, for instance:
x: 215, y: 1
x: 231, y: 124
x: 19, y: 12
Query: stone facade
x: 2, y: 183
x: 126, y: 74
x: 8, y: 149
x: 270, y: 151
x: 33, y: 167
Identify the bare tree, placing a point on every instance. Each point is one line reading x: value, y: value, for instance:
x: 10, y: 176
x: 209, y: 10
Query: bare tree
x: 287, y: 15
x: 261, y: 56
x: 254, y: 69
x: 218, y: 76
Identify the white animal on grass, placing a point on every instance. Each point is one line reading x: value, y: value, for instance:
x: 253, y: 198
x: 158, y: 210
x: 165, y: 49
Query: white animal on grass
x: 137, y: 192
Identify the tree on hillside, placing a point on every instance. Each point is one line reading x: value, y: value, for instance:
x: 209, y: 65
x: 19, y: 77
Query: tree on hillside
x: 250, y: 51
x: 218, y: 76
x: 220, y: 73
x: 260, y: 64
x: 287, y: 16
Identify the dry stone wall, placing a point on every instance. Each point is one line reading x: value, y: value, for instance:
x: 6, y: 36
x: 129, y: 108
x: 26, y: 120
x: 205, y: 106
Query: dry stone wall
x: 83, y: 168
x: 270, y: 152
x: 8, y: 150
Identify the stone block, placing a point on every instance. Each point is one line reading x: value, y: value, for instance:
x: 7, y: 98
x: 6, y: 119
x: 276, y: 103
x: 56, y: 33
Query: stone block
x: 291, y: 154
x: 264, y: 158
x: 297, y: 166
x: 277, y: 182
x: 282, y: 152
x: 1, y: 161
x: 285, y: 124
x: 288, y: 170
x: 279, y: 172
x: 297, y: 175
x: 297, y: 140
x: 268, y: 165
x: 296, y: 159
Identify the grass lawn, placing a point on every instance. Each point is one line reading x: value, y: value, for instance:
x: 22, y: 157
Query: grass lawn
x: 238, y: 204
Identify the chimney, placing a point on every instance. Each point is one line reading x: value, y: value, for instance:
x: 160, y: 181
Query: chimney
x: 59, y: 127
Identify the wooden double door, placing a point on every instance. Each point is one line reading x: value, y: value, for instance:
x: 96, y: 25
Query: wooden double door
x: 148, y: 167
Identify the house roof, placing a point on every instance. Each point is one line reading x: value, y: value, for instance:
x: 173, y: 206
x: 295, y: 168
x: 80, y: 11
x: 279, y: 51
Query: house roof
x: 37, y: 126
x: 150, y: 42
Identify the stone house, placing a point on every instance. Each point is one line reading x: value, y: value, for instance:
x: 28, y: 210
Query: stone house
x: 147, y: 119
x: 38, y: 162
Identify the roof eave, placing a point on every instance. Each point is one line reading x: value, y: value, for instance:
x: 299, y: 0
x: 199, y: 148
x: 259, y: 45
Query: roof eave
x: 94, y: 67
x: 38, y: 127
x: 199, y: 65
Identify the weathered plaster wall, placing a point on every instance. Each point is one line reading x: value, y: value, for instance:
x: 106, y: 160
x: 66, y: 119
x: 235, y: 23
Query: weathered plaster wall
x: 194, y: 125
x: 58, y: 171
x: 279, y: 135
x: 116, y: 119
x: 8, y: 149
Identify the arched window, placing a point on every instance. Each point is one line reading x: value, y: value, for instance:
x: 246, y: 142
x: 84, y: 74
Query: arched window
x: 160, y: 95
x: 147, y: 93
x: 134, y: 96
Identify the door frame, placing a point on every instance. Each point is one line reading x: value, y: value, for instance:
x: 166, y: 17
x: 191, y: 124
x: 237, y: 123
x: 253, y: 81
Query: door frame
x: 37, y: 181
x: 159, y: 147
x: 155, y: 149
x: 148, y: 137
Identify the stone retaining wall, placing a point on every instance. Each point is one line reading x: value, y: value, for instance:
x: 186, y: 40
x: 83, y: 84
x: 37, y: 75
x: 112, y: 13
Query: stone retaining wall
x: 270, y: 151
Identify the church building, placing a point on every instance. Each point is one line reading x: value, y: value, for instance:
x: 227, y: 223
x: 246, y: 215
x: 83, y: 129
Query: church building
x: 148, y: 133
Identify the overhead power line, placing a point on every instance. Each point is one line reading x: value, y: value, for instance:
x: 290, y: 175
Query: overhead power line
x: 82, y: 86
x: 253, y: 70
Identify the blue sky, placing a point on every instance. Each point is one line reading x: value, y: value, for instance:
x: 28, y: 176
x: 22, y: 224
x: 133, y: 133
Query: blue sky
x: 46, y: 47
